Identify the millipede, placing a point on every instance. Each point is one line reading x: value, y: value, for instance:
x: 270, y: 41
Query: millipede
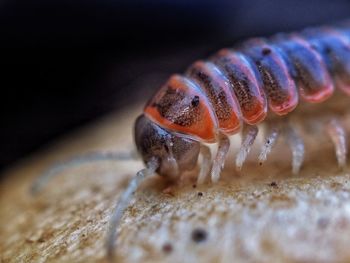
x: 258, y: 81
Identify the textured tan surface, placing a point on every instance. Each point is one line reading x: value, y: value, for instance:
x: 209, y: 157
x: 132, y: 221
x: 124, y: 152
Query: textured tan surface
x: 263, y: 215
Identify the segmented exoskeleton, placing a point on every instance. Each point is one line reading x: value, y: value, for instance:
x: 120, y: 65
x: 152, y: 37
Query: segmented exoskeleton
x: 231, y: 92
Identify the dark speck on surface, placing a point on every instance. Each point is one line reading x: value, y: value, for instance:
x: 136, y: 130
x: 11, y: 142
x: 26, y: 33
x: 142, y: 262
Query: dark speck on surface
x: 167, y: 248
x: 199, y: 235
x: 322, y: 222
x: 273, y: 184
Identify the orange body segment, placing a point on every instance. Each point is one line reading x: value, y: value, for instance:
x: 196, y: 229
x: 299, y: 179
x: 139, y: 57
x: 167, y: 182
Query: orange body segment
x: 217, y: 88
x: 182, y: 107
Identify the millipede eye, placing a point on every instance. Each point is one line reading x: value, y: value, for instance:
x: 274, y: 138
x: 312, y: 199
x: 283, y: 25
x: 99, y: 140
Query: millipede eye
x: 195, y: 101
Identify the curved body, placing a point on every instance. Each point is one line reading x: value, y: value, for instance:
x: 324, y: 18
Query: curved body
x: 217, y: 97
x: 239, y: 85
x: 231, y: 92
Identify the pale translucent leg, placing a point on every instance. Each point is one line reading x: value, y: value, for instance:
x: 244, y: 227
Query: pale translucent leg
x: 270, y: 142
x: 249, y: 135
x: 297, y: 147
x: 338, y: 136
x: 55, y: 169
x: 123, y: 203
x: 205, y: 165
x: 219, y: 161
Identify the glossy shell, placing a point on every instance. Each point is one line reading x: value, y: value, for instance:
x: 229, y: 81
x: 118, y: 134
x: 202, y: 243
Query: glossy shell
x: 240, y: 84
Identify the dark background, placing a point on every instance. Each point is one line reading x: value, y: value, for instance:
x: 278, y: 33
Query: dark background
x: 64, y: 63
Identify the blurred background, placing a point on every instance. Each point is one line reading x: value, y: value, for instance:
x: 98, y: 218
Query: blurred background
x: 65, y: 63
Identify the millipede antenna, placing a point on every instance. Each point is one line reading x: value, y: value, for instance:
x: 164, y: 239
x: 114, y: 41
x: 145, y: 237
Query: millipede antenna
x: 123, y: 203
x: 56, y: 168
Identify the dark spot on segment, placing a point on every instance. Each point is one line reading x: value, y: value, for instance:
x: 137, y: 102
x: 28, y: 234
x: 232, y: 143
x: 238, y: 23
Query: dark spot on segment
x: 266, y: 51
x: 195, y: 101
x: 194, y: 186
x: 199, y: 235
x: 167, y: 248
x: 200, y: 194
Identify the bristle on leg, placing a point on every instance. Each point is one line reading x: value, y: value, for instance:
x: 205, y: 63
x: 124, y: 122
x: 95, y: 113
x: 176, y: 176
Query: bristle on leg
x: 297, y: 147
x: 270, y: 142
x: 249, y: 136
x: 338, y: 136
x: 219, y: 161
x: 205, y: 165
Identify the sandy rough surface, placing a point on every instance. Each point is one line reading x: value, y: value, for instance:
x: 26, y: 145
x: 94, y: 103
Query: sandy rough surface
x: 263, y: 215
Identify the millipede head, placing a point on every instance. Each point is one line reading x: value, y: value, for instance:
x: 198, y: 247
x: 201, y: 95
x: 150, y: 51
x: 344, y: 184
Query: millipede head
x: 174, y: 152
